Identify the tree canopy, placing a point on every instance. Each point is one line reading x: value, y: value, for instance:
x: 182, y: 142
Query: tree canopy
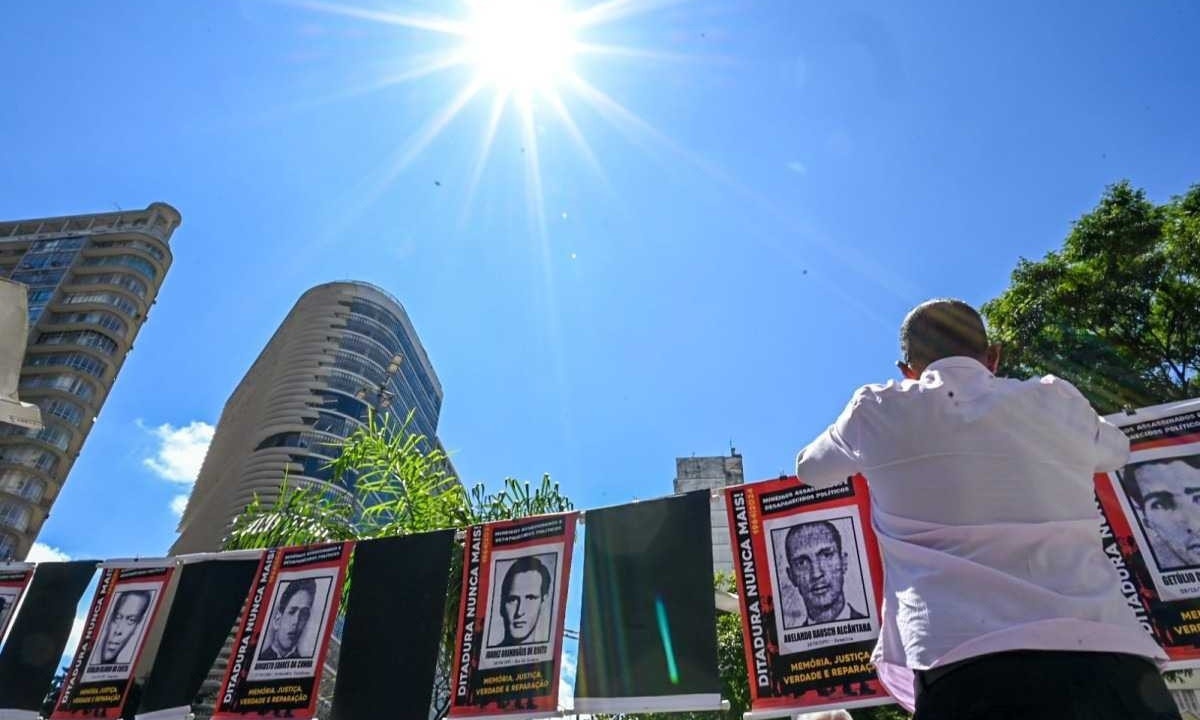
x: 1117, y: 309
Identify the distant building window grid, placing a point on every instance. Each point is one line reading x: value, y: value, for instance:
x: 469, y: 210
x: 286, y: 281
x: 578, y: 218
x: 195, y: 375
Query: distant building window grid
x: 22, y: 484
x: 380, y: 355
x: 103, y: 298
x: 14, y: 515
x: 50, y: 434
x: 63, y: 409
x: 67, y: 383
x: 122, y: 280
x: 142, y: 245
x: 82, y: 338
x: 80, y: 361
x: 379, y: 313
x: 141, y: 265
x: 102, y: 318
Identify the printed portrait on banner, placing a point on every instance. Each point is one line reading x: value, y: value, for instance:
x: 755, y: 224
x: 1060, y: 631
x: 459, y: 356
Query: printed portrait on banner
x: 8, y: 606
x: 121, y: 632
x: 279, y: 648
x: 1165, y: 497
x: 14, y: 578
x: 818, y: 563
x: 522, y: 616
x: 809, y: 580
x: 509, y: 638
x: 296, y: 619
x: 116, y: 627
x: 1159, y: 492
x: 1150, y: 524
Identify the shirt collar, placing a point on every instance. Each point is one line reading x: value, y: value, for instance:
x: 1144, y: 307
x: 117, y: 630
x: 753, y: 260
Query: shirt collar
x: 956, y: 362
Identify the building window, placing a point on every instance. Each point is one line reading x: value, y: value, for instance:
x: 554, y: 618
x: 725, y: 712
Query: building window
x: 307, y: 440
x: 129, y: 282
x: 340, y: 403
x: 21, y: 484
x: 14, y: 515
x: 63, y: 409
x: 106, y: 320
x: 43, y: 460
x: 79, y: 361
x: 67, y: 383
x: 38, y: 278
x: 135, y: 244
x: 120, y: 302
x: 8, y: 546
x: 49, y: 434
x: 83, y: 338
x: 70, y: 243
x: 38, y: 261
x: 141, y: 265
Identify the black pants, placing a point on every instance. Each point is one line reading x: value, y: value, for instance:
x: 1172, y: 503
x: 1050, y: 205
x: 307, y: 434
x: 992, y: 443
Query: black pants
x: 1051, y: 685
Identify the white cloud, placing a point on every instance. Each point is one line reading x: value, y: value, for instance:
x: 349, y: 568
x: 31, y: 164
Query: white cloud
x: 566, y: 681
x: 178, y: 503
x: 179, y: 454
x: 797, y: 167
x: 41, y: 552
x: 180, y: 451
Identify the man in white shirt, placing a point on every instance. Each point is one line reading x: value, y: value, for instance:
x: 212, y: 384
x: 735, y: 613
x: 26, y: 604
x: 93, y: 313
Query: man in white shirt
x: 998, y: 598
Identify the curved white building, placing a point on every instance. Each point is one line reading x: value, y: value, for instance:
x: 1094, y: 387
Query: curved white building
x: 91, y: 280
x: 343, y: 347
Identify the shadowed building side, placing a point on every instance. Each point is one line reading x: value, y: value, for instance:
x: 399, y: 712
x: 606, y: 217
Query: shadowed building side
x: 91, y: 280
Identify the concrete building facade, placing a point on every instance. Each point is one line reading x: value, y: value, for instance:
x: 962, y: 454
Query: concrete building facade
x: 343, y: 348
x: 713, y: 473
x: 91, y: 281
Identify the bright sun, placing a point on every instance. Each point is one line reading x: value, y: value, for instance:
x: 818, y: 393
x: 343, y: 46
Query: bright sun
x: 520, y: 45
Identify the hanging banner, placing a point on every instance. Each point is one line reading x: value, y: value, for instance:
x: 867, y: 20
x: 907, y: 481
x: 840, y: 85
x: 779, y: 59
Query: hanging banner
x: 279, y: 652
x: 810, y: 582
x: 123, y: 609
x: 1151, y: 524
x: 510, y: 626
x: 14, y: 578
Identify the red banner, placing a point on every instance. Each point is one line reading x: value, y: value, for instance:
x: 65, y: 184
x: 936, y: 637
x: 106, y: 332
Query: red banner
x: 509, y: 645
x: 14, y: 578
x: 279, y: 653
x: 122, y: 611
x: 1151, y: 529
x: 810, y: 584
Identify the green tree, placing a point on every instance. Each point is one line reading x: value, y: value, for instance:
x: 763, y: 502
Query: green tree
x: 401, y: 486
x: 1117, y: 310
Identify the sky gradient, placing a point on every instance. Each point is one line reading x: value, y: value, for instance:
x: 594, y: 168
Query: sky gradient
x: 784, y: 182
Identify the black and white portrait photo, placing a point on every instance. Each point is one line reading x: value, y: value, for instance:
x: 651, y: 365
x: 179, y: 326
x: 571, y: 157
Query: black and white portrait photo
x: 8, y: 604
x: 524, y: 600
x: 122, y: 629
x: 295, y: 619
x: 1165, y: 497
x: 819, y: 573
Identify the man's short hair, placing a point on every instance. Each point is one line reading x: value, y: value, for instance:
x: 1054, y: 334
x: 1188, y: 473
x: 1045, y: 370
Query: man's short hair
x: 306, y: 584
x: 1128, y: 476
x: 143, y: 594
x: 942, y: 328
x: 528, y: 563
x: 797, y: 529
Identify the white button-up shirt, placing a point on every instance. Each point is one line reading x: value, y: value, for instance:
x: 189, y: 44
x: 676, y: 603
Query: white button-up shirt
x: 982, y: 500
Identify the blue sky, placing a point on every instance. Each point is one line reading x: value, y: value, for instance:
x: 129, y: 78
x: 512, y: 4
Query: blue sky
x: 786, y: 181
